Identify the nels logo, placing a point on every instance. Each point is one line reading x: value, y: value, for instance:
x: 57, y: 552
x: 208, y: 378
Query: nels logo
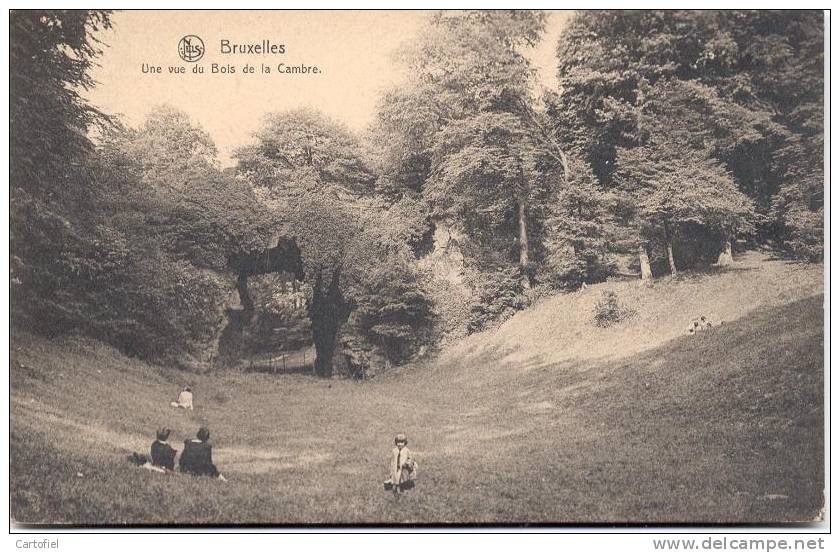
x: 191, y: 48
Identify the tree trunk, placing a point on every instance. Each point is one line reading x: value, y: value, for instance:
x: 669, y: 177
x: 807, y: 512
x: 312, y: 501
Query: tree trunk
x: 244, y: 295
x: 725, y: 257
x: 523, y: 245
x: 324, y: 336
x: 671, y: 259
x: 385, y: 354
x: 327, y: 313
x: 644, y: 262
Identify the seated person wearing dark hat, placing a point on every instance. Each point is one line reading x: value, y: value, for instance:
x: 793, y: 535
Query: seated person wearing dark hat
x: 163, y: 454
x: 197, y: 457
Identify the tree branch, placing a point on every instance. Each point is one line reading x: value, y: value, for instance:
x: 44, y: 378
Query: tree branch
x: 548, y: 139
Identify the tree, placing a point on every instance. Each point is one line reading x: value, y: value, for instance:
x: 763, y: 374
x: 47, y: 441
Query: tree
x: 682, y: 129
x: 300, y: 150
x: 467, y: 127
x: 50, y: 235
x: 139, y: 254
x: 186, y: 227
x: 484, y: 174
x: 392, y: 310
x: 401, y: 138
x: 189, y: 207
x: 579, y: 231
x: 753, y: 80
x: 680, y: 192
x: 310, y: 170
x: 169, y: 149
x: 50, y: 54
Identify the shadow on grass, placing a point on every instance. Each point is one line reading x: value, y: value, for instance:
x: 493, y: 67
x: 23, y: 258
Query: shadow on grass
x: 728, y: 423
x: 722, y: 427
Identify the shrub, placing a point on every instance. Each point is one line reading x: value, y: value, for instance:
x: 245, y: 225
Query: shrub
x: 804, y: 238
x: 567, y: 270
x: 500, y: 295
x: 393, y: 311
x: 609, y: 311
x: 579, y: 232
x: 451, y: 305
x: 71, y: 275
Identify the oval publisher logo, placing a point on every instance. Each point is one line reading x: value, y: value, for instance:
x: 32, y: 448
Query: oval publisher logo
x: 191, y: 48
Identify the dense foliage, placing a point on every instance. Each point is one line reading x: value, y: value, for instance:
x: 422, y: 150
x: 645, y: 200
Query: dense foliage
x: 741, y: 89
x: 312, y: 172
x: 50, y: 53
x: 128, y: 241
x: 672, y: 136
x: 458, y: 134
x: 392, y: 309
x: 579, y: 232
x: 500, y: 294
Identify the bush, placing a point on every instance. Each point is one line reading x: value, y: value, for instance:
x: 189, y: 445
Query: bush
x: 71, y: 275
x: 579, y: 233
x: 568, y: 270
x: 393, y: 312
x: 500, y: 296
x: 451, y: 304
x: 609, y: 311
x: 804, y: 236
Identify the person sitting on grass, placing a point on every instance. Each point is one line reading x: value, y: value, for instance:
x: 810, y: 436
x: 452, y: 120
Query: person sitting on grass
x: 163, y: 454
x: 402, y: 468
x: 697, y: 325
x: 197, y: 457
x: 185, y: 399
x: 159, y: 460
x: 701, y: 324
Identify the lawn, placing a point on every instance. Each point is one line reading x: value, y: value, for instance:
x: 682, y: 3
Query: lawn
x: 544, y: 420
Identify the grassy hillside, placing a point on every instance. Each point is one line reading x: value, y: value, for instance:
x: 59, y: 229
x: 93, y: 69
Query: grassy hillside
x: 547, y: 419
x: 559, y: 328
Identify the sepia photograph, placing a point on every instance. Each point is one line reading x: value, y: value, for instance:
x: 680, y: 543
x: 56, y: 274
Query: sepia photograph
x: 406, y: 268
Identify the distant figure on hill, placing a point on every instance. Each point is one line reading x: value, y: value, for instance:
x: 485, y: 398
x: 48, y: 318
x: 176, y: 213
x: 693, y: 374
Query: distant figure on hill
x: 163, y: 454
x: 197, y: 458
x: 698, y: 325
x: 185, y: 399
x: 402, y: 468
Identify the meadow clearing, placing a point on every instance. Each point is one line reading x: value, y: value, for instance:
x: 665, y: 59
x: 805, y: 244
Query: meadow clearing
x: 546, y: 420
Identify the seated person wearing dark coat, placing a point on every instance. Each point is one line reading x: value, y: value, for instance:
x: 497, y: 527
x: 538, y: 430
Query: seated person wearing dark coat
x: 163, y: 454
x: 197, y: 457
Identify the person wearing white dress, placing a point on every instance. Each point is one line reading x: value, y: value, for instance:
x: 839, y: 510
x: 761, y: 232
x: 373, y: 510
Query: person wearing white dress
x: 185, y: 399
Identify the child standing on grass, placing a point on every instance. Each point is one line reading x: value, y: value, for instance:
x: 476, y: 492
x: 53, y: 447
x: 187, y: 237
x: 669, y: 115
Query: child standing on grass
x: 402, y: 468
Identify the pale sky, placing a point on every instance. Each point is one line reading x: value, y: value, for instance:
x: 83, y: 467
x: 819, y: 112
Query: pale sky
x: 352, y: 49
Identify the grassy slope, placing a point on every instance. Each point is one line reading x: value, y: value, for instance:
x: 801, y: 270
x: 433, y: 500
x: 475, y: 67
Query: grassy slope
x: 546, y: 419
